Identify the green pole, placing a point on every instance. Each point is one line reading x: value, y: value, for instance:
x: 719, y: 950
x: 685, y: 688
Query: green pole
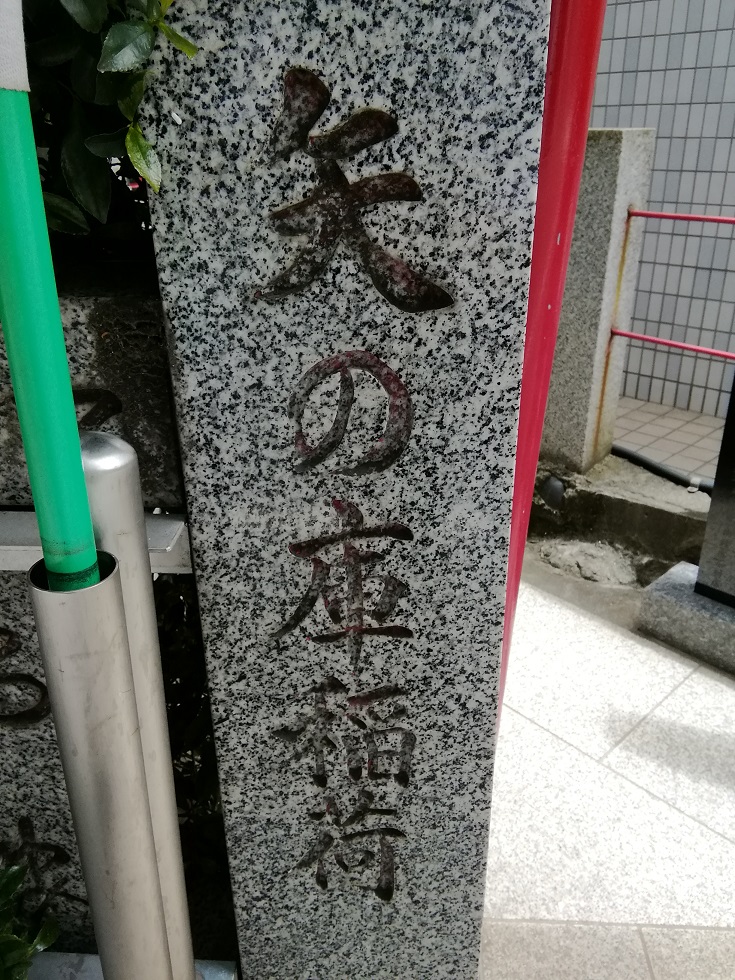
x: 34, y: 339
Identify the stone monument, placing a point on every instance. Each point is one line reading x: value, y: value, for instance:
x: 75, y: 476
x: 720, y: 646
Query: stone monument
x: 344, y: 240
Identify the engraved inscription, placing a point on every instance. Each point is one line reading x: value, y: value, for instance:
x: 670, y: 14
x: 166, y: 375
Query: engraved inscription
x: 46, y: 882
x: 399, y: 422
x: 332, y: 212
x: 357, y: 743
x: 24, y: 700
x: 366, y: 737
x: 103, y: 405
x: 375, y: 745
x: 353, y: 850
x: 347, y: 608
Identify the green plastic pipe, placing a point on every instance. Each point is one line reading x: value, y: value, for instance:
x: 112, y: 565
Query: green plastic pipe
x: 34, y: 340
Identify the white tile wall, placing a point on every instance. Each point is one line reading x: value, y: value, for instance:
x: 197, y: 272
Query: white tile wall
x: 670, y: 64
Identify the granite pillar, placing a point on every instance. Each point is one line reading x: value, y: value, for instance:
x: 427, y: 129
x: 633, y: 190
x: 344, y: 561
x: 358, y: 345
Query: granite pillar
x: 599, y: 294
x: 343, y: 239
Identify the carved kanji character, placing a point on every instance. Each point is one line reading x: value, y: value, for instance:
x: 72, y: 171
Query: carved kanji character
x: 364, y: 727
x: 17, y: 687
x: 400, y: 412
x: 45, y: 881
x: 353, y: 850
x: 332, y: 212
x: 348, y: 609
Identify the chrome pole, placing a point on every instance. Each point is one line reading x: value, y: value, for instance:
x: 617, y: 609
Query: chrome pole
x: 84, y: 647
x: 115, y: 499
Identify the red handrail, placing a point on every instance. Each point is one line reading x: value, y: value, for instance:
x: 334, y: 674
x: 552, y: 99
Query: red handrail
x: 679, y: 344
x: 671, y: 216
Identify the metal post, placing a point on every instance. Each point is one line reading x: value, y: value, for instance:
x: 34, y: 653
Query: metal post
x: 575, y: 32
x: 113, y: 486
x: 82, y: 635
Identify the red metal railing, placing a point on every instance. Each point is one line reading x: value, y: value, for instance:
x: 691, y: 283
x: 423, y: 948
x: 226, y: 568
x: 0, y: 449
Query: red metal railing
x: 662, y: 341
x: 717, y: 219
x: 679, y: 344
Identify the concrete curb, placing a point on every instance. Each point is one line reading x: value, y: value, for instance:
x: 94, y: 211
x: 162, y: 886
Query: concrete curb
x: 78, y: 966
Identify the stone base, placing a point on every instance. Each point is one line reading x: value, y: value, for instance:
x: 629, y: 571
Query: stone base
x: 71, y: 966
x: 673, y: 612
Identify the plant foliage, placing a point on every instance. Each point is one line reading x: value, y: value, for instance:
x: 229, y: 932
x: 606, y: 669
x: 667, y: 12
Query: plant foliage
x: 88, y: 68
x: 17, y: 947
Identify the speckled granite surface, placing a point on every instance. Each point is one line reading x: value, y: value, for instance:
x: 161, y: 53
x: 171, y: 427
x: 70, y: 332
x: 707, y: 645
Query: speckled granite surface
x: 35, y: 820
x: 353, y: 677
x: 588, y: 371
x: 119, y: 372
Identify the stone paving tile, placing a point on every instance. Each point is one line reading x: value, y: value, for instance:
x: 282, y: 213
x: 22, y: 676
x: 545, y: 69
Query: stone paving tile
x: 653, y: 428
x: 683, y: 751
x: 689, y: 954
x: 542, y: 951
x: 581, y: 678
x: 571, y: 840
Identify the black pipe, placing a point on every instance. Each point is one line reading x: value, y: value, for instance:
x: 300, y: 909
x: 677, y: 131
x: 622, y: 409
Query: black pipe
x: 670, y: 473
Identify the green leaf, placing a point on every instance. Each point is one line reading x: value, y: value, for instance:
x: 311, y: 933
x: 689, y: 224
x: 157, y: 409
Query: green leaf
x: 19, y: 972
x: 128, y: 45
x: 151, y: 9
x: 129, y: 103
x: 143, y: 157
x: 87, y: 176
x: 47, y: 934
x: 13, y: 951
x: 179, y: 41
x: 165, y: 4
x: 55, y: 50
x: 111, y: 87
x: 63, y: 215
x: 107, y: 145
x: 89, y: 14
x: 83, y: 76
x: 11, y: 879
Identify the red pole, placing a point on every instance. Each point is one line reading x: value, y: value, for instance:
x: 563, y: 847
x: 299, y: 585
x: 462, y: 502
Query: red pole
x: 574, y: 46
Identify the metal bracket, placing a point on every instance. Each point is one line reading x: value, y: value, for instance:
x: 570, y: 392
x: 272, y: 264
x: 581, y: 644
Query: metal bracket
x: 168, y: 542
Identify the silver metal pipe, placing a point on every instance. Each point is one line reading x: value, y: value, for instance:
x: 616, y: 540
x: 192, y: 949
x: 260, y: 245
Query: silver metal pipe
x: 86, y: 660
x: 115, y: 499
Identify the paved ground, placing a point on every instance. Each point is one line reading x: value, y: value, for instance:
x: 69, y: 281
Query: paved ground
x: 687, y: 441
x: 612, y: 841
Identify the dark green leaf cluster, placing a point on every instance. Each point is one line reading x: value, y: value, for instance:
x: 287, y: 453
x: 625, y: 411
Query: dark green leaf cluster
x: 17, y: 948
x: 88, y: 68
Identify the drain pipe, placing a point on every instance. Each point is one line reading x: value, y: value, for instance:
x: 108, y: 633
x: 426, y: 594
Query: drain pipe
x: 86, y: 660
x: 679, y: 477
x: 115, y: 498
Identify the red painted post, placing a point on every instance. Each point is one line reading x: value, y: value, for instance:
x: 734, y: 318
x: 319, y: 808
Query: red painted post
x: 574, y: 46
